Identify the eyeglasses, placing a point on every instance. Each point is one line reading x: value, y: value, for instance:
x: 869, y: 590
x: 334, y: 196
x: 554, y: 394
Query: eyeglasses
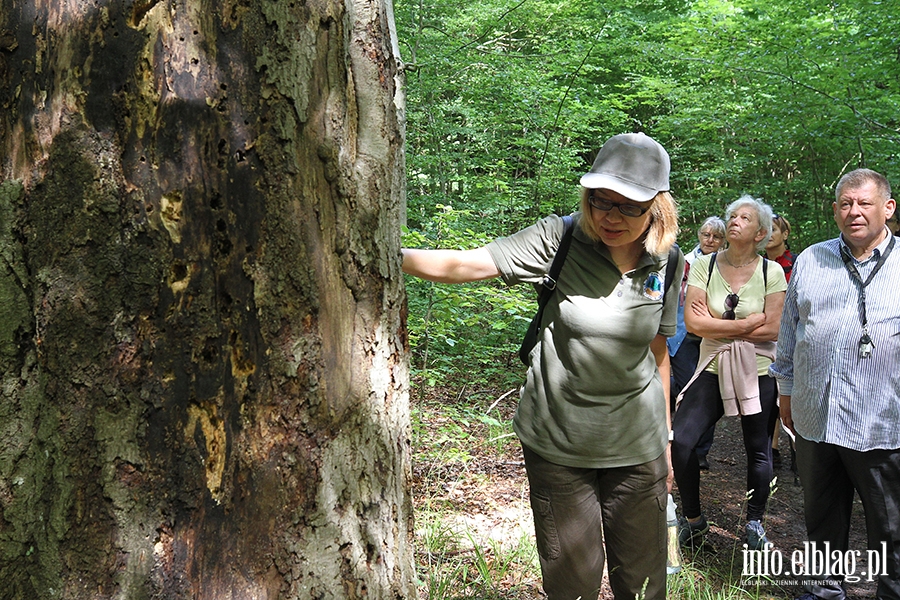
x: 731, y: 302
x: 705, y: 235
x: 627, y: 210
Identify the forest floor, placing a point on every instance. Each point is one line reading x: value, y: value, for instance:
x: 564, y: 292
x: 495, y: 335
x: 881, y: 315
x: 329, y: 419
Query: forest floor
x: 471, y: 498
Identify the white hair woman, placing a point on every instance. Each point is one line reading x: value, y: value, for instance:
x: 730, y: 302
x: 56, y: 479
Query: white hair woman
x: 734, y: 303
x: 710, y: 237
x: 593, y: 413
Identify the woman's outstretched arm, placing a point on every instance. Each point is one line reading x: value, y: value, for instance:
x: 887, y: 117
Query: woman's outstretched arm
x: 450, y: 266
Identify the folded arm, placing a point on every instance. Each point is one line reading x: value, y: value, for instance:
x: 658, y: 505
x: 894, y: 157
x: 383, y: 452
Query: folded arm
x: 768, y: 331
x: 700, y: 322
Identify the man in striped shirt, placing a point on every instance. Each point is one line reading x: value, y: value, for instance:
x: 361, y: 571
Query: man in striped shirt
x: 838, y: 368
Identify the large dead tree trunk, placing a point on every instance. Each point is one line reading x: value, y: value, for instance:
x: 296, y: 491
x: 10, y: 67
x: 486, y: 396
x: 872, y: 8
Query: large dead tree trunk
x: 202, y: 349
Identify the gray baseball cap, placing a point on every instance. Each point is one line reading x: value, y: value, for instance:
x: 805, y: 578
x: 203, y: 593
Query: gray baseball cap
x: 631, y: 164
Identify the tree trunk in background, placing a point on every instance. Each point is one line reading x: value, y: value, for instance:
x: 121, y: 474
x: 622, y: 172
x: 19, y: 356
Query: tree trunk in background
x: 202, y: 344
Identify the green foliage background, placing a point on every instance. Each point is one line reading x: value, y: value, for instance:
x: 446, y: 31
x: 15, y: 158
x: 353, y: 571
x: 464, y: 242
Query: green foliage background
x: 508, y: 100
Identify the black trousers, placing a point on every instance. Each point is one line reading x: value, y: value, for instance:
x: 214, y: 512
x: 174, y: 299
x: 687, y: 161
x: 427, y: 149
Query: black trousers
x: 683, y: 364
x: 830, y: 474
x: 700, y: 408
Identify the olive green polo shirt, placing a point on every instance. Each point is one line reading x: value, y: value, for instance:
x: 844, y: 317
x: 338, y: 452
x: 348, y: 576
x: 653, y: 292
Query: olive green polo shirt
x: 593, y: 397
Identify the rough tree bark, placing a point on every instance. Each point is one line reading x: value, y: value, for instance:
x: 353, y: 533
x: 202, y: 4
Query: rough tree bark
x: 202, y: 345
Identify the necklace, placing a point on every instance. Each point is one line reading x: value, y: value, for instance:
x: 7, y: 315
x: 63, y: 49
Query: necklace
x: 734, y: 266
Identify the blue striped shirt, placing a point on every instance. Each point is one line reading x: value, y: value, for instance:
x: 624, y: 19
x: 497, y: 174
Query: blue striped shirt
x: 836, y: 396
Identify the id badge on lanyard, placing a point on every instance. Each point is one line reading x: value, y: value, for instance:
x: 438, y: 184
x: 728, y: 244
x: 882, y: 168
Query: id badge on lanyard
x: 865, y: 342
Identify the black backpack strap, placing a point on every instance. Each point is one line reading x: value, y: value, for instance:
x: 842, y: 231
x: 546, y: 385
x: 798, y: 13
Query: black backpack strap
x: 549, y: 282
x: 712, y: 265
x: 548, y: 286
x: 670, y: 269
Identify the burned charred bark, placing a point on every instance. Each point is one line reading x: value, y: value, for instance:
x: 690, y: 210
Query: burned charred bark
x: 202, y: 351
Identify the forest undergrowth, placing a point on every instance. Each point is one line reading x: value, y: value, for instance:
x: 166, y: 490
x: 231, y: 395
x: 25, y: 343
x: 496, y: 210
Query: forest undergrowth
x: 474, y: 534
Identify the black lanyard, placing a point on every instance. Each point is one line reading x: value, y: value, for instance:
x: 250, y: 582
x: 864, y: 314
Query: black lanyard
x: 865, y: 342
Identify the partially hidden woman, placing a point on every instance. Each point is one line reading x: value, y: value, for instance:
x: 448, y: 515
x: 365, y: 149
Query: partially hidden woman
x: 593, y: 413
x: 777, y: 248
x: 735, y: 303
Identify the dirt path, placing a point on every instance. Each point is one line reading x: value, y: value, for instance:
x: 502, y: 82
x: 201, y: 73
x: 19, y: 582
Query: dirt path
x: 722, y: 491
x: 486, y: 497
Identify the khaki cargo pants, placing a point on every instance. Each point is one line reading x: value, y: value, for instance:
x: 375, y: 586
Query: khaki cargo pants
x: 578, y: 511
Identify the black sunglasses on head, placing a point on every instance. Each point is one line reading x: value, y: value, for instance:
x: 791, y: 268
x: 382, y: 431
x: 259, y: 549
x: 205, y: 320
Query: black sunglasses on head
x: 627, y: 210
x: 731, y: 302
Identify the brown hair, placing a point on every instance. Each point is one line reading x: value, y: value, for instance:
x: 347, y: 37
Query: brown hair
x: 784, y: 226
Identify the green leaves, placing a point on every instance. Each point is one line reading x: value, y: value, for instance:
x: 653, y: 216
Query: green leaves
x: 510, y: 100
x: 467, y: 332
x: 796, y: 92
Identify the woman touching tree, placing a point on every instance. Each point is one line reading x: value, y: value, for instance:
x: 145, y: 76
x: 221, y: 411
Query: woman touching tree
x: 593, y: 415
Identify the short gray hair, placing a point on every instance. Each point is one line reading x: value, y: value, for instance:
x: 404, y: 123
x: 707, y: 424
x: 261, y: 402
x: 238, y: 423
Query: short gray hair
x: 715, y: 223
x: 858, y: 178
x: 764, y: 214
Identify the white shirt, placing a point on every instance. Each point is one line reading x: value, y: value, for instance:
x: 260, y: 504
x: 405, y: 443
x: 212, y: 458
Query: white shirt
x: 836, y: 396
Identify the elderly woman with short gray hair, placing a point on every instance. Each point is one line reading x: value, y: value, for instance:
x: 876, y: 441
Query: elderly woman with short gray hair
x: 734, y: 303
